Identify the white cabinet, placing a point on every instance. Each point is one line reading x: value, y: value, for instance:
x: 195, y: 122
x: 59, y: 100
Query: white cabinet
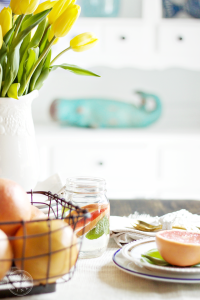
x: 179, y: 38
x: 126, y: 39
x: 127, y: 167
x: 149, y: 42
x: 135, y: 164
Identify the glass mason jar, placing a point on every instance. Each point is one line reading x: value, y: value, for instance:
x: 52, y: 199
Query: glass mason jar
x: 89, y: 193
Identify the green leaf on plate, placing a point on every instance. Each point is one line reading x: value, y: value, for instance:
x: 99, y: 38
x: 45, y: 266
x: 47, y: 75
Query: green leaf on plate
x: 101, y: 228
x: 153, y: 257
x: 74, y: 69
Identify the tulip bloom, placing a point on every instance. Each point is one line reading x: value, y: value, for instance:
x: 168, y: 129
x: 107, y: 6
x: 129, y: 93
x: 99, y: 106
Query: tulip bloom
x: 65, y: 22
x: 58, y: 9
x: 23, y: 7
x: 83, y: 42
x: 51, y: 35
x: 6, y: 20
x: 1, y: 37
x: 44, y: 6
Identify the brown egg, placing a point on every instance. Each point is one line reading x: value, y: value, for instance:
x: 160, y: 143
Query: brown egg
x: 37, y: 214
x: 6, y: 254
x: 14, y: 206
x: 41, y: 239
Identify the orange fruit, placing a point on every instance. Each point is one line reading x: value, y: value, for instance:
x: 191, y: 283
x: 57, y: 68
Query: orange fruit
x: 37, y: 214
x: 14, y: 206
x: 179, y: 247
x: 6, y: 254
x: 41, y: 239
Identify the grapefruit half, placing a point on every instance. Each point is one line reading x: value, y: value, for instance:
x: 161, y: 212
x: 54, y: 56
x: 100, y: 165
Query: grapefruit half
x: 178, y: 247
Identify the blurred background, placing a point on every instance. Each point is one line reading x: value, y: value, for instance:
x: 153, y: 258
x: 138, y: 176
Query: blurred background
x: 149, y: 46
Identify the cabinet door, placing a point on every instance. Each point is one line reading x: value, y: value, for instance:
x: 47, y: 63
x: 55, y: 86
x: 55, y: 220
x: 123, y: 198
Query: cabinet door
x: 128, y: 169
x: 128, y: 39
x: 180, y: 166
x: 179, y: 39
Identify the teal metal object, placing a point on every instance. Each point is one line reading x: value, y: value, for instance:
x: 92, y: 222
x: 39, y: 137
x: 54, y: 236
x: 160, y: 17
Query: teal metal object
x: 100, y: 113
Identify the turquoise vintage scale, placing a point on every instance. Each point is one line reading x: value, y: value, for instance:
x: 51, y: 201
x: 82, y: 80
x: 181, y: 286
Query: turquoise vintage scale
x: 102, y: 113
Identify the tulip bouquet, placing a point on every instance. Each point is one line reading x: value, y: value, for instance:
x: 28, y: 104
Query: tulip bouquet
x: 28, y: 31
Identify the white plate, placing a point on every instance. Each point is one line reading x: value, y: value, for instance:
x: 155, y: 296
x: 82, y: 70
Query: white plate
x: 129, y: 267
x: 134, y: 250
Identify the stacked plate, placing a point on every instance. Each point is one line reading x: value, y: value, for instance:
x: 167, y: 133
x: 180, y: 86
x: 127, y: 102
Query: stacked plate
x: 129, y: 260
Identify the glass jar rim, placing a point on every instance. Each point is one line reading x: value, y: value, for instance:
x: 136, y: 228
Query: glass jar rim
x: 86, y: 185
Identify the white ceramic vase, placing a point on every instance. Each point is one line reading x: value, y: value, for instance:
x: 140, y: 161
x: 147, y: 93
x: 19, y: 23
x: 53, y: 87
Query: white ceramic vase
x: 18, y: 150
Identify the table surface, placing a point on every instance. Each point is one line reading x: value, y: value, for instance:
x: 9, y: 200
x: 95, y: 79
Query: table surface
x: 100, y: 279
x: 152, y: 207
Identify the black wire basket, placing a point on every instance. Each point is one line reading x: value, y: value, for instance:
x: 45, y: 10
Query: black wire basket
x: 45, y: 250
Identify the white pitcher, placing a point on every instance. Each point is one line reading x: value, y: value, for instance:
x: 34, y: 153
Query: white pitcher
x: 18, y: 150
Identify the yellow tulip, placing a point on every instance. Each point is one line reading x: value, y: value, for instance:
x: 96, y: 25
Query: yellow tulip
x: 1, y: 37
x: 83, y: 42
x: 15, y: 18
x: 6, y: 20
x: 44, y: 6
x: 58, y: 9
x: 51, y: 35
x: 65, y: 22
x: 25, y: 7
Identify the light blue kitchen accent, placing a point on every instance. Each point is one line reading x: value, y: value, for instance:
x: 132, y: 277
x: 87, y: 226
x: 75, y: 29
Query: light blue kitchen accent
x: 102, y: 113
x: 100, y: 8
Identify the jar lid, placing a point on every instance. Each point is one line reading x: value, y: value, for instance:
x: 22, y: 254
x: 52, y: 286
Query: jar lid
x: 86, y: 185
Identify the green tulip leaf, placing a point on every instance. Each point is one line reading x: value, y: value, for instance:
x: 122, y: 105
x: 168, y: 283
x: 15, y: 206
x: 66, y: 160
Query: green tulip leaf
x: 47, y: 60
x: 29, y: 59
x: 8, y: 36
x: 32, y: 57
x: 22, y: 66
x: 32, y: 22
x: 11, y: 69
x: 74, y: 69
x: 1, y: 75
x: 35, y: 76
x: 3, y: 53
x: 43, y: 76
x: 25, y: 44
x: 25, y: 24
x: 38, y: 34
x: 44, y: 40
x: 13, y: 90
x: 41, y: 73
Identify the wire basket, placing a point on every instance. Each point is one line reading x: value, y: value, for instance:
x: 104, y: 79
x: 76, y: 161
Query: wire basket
x: 45, y: 250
